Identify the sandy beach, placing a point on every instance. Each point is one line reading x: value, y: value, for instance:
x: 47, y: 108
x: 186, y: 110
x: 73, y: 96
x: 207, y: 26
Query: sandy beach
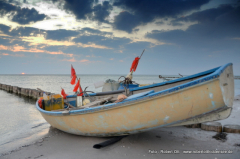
x: 172, y: 142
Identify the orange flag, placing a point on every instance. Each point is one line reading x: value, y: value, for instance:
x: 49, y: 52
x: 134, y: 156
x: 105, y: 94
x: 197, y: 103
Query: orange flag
x: 73, y: 81
x: 134, y: 64
x: 63, y: 94
x: 76, y: 86
x: 80, y: 89
x: 72, y: 72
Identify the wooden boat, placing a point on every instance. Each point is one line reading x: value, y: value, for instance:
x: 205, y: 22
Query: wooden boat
x: 202, y: 97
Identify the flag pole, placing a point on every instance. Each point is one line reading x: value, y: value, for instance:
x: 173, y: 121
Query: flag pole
x: 79, y: 87
x: 141, y: 54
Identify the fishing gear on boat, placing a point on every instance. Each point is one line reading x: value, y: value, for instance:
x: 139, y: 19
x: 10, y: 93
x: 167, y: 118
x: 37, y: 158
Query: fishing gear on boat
x: 128, y: 79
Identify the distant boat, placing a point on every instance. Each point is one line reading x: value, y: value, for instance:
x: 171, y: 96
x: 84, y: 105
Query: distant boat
x: 202, y: 97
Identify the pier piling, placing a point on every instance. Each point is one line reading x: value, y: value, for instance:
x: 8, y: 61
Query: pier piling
x: 4, y: 87
x: 15, y: 89
x: 27, y: 92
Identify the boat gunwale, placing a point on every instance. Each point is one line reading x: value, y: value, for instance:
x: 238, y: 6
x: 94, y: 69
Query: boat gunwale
x: 217, y: 72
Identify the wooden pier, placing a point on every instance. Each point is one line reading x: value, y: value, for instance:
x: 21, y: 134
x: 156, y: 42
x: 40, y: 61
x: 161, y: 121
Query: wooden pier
x: 27, y: 92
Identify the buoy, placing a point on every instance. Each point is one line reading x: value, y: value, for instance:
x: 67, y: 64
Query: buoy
x: 86, y: 101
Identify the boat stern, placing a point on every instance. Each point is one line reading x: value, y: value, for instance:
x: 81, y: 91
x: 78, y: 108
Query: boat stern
x: 226, y: 81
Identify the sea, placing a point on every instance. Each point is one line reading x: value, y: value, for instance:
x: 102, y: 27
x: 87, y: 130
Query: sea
x: 20, y: 121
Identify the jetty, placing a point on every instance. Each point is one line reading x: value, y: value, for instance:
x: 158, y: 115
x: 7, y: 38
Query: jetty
x: 26, y: 92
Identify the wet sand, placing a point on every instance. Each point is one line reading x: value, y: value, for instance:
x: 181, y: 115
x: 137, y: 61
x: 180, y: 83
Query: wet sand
x: 56, y: 144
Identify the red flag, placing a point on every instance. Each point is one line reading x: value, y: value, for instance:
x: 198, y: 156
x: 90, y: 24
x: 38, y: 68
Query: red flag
x: 76, y: 86
x: 40, y: 103
x: 80, y: 89
x: 63, y: 94
x: 134, y: 64
x: 72, y: 72
x: 73, y: 81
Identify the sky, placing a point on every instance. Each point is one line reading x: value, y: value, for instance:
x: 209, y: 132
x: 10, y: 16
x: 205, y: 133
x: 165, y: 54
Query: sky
x: 105, y: 36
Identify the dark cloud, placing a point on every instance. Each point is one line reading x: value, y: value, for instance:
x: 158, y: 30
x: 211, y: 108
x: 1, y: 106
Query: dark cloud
x: 80, y: 8
x: 26, y: 31
x: 208, y: 15
x: 26, y: 16
x: 113, y: 42
x: 174, y: 23
x: 142, y: 11
x: 94, y: 31
x: 159, y: 23
x: 87, y: 35
x: 4, y: 28
x: 20, y: 15
x: 6, y: 8
x: 215, y: 32
x: 126, y: 21
x: 15, y: 34
x: 136, y: 30
x: 89, y: 39
x: 225, y: 24
x: 20, y: 31
x: 89, y: 9
x: 101, y: 12
x: 60, y: 34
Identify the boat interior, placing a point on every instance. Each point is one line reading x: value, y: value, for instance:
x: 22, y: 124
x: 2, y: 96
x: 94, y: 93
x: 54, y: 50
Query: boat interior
x: 89, y: 100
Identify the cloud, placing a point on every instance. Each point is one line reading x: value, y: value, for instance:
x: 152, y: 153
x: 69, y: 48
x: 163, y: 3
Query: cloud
x: 21, y: 31
x: 74, y: 60
x: 84, y: 60
x: 126, y: 21
x: 208, y: 15
x: 70, y: 60
x: 5, y: 41
x: 89, y: 39
x: 33, y: 36
x: 20, y: 15
x: 26, y: 16
x: 111, y: 59
x: 89, y: 9
x: 17, y: 48
x: 101, y: 11
x: 110, y: 42
x: 14, y: 55
x: 214, y: 32
x: 80, y: 8
x: 60, y: 34
x: 94, y: 31
x: 142, y: 11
